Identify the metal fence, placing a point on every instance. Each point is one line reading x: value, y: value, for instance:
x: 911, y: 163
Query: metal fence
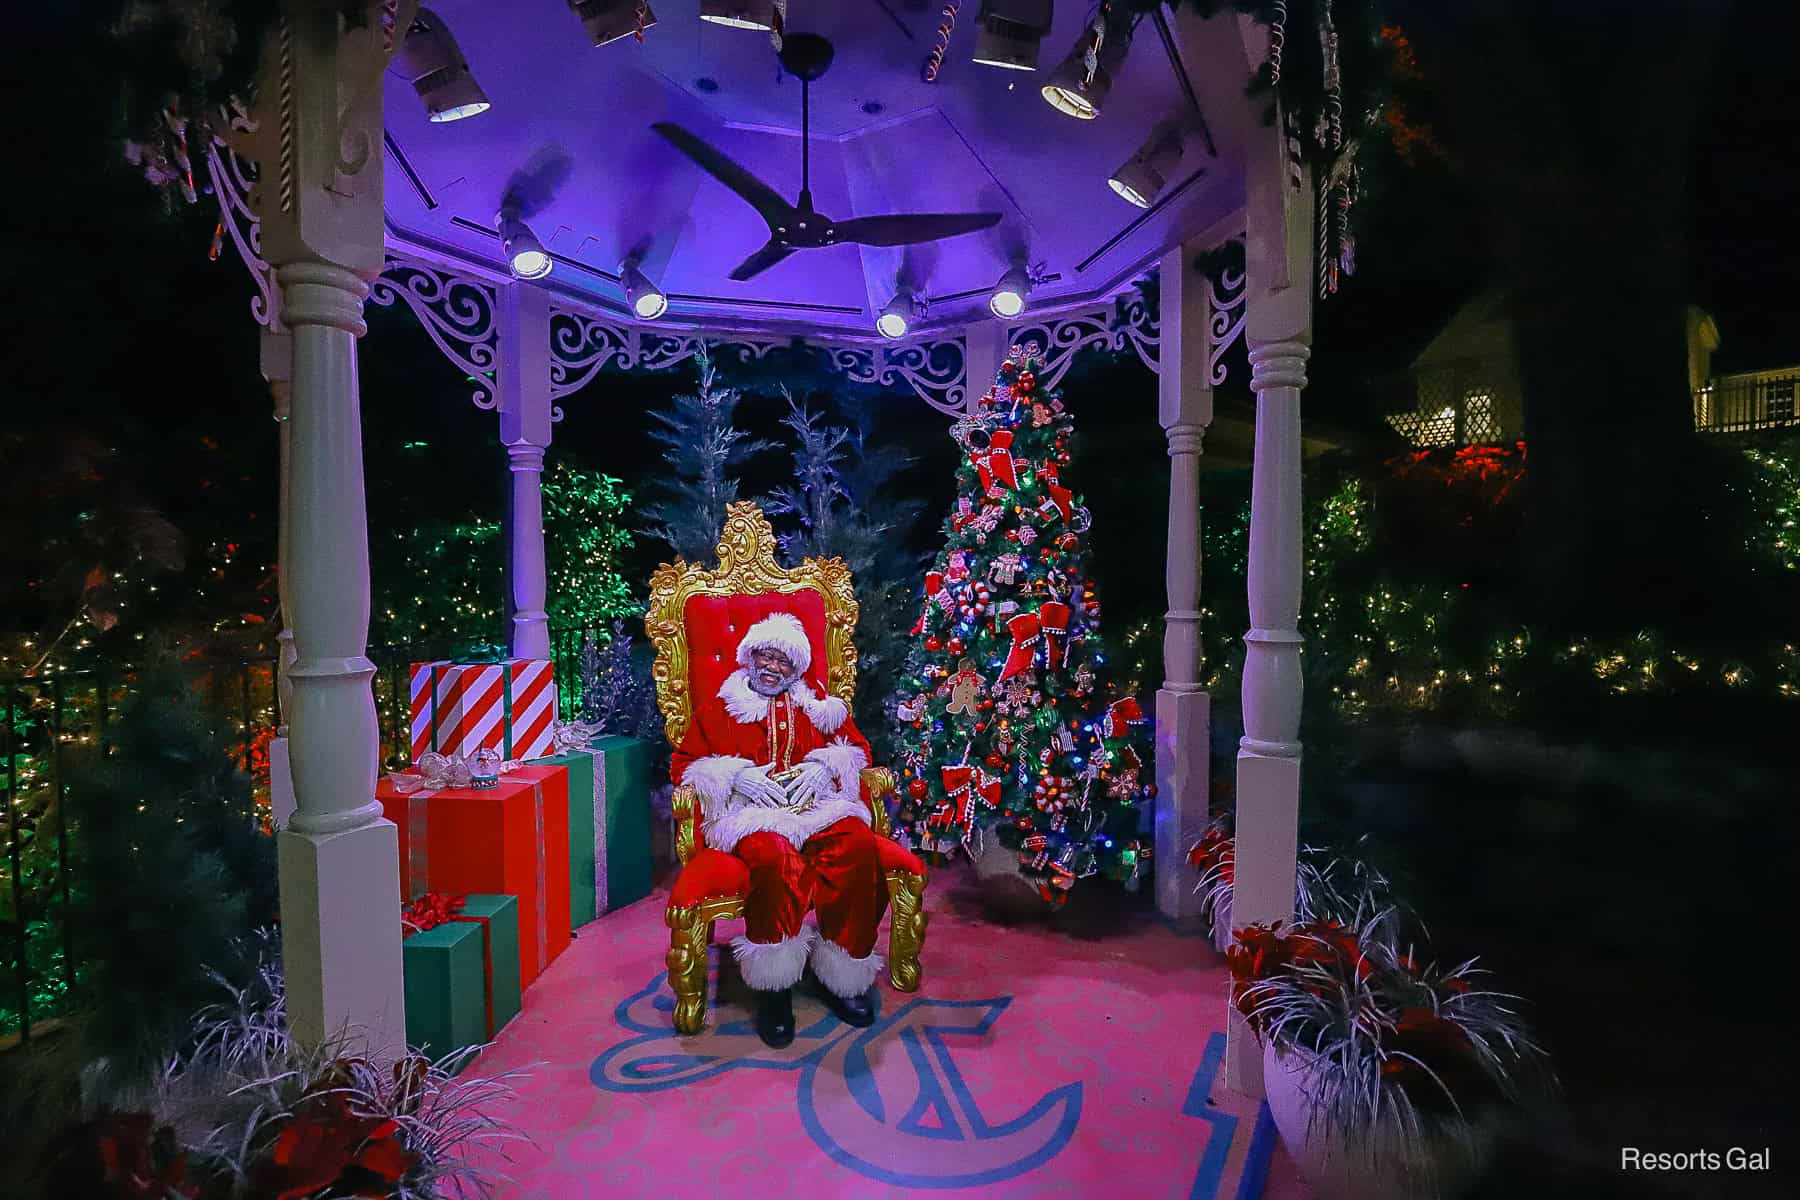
x: 1746, y: 403
x: 56, y: 721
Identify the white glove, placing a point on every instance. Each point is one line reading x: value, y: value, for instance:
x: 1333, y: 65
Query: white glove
x: 755, y: 786
x: 815, y: 782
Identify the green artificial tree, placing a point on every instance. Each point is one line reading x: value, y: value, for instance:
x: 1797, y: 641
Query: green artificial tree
x: 585, y: 537
x: 846, y: 508
x: 1007, y: 723
x: 174, y: 870
x: 702, y: 448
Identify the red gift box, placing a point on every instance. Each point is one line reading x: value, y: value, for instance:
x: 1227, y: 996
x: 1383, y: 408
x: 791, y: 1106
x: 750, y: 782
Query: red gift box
x: 511, y: 839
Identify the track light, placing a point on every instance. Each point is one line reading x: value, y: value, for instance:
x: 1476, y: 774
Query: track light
x: 1070, y: 91
x: 525, y: 255
x: 1147, y: 172
x: 1008, y: 33
x: 647, y: 300
x: 896, y: 318
x: 740, y: 14
x: 430, y: 57
x: 607, y: 21
x: 1008, y: 296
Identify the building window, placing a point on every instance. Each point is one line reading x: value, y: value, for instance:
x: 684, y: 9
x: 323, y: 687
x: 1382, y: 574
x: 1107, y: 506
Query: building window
x: 1479, y: 423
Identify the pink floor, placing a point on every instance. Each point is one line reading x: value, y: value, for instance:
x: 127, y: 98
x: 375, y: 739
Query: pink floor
x: 1031, y: 1063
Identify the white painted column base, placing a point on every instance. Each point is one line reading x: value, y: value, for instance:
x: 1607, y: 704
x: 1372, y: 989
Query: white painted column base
x: 342, y: 890
x: 1266, y: 842
x: 1183, y: 743
x: 281, y: 784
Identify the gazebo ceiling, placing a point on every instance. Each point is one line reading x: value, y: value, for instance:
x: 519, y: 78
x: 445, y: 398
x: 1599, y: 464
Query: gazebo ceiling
x: 574, y: 121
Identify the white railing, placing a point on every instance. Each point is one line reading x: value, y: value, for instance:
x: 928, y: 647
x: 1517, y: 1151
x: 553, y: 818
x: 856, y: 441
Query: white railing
x: 1743, y: 403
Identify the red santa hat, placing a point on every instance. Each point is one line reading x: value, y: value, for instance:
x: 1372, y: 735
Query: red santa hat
x: 778, y: 631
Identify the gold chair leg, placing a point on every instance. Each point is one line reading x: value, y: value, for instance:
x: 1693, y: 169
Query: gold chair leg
x: 690, y: 933
x: 906, y: 936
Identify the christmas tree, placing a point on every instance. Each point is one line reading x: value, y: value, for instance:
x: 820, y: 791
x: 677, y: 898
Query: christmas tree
x: 1007, y: 725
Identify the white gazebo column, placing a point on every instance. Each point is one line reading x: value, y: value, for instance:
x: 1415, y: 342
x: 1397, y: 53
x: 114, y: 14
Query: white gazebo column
x: 318, y: 143
x: 525, y: 432
x: 1183, y: 710
x: 984, y: 349
x: 1278, y: 327
x: 278, y: 370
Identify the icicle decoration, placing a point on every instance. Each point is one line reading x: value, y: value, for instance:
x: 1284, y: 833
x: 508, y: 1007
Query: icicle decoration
x: 946, y: 25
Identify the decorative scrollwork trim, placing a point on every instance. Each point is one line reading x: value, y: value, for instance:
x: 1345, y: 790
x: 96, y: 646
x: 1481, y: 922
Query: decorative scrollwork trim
x: 459, y: 314
x: 233, y: 180
x: 1225, y: 300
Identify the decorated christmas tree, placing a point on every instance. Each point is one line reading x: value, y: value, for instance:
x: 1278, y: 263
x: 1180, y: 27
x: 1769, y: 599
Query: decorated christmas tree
x: 1007, y: 725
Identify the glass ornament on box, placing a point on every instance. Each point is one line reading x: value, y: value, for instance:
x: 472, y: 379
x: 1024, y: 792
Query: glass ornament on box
x: 484, y: 768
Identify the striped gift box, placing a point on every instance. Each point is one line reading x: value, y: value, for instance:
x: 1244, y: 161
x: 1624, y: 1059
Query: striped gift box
x: 459, y: 708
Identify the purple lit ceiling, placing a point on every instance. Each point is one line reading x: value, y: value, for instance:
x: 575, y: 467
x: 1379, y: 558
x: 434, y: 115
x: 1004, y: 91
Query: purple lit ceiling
x: 979, y: 138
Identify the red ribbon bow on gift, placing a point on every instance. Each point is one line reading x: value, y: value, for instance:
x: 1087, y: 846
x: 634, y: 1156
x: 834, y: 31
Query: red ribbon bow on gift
x: 431, y: 910
x: 1053, y: 616
x: 995, y: 461
x: 1121, y: 715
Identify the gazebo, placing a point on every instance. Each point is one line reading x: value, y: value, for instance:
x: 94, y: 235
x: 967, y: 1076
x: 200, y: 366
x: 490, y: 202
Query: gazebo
x: 496, y: 171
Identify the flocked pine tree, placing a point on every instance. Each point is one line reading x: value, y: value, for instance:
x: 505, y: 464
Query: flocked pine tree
x: 701, y: 446
x: 845, y: 507
x: 1007, y: 724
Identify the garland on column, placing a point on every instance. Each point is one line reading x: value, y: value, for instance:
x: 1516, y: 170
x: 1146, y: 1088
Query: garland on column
x: 1006, y: 722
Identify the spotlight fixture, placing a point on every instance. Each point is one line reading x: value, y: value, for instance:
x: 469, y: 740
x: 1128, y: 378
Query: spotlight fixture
x: 740, y: 14
x: 607, y: 21
x: 525, y: 255
x: 1009, y: 32
x: 1070, y: 91
x: 1008, y: 297
x: 896, y: 318
x: 1147, y: 172
x: 647, y: 300
x: 430, y: 57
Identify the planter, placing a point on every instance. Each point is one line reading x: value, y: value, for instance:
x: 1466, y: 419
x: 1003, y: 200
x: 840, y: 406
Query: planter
x: 1383, y: 1163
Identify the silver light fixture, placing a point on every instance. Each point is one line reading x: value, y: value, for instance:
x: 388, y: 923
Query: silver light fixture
x: 647, y: 301
x: 607, y: 21
x: 1147, y: 172
x: 1070, y: 91
x: 740, y: 14
x: 430, y: 57
x: 1008, y: 297
x: 897, y: 317
x: 1008, y: 33
x: 526, y: 257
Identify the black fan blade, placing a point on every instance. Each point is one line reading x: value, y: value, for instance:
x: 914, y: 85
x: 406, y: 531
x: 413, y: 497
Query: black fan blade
x: 771, y: 253
x: 772, y: 206
x: 904, y: 229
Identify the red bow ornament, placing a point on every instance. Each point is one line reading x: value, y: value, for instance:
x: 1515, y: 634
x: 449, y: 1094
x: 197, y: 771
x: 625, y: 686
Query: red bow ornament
x: 995, y: 462
x: 430, y: 910
x: 1026, y: 631
x: 1061, y: 501
x: 1053, y: 618
x: 1121, y: 715
x: 965, y: 784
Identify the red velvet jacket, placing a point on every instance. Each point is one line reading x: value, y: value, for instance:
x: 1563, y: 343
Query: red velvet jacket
x: 739, y: 729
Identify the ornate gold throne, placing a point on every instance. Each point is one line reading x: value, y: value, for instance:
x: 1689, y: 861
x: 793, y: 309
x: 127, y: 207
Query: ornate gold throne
x: 692, y: 611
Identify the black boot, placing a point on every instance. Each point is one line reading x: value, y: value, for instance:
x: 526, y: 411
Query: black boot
x: 858, y: 1010
x: 775, y: 1018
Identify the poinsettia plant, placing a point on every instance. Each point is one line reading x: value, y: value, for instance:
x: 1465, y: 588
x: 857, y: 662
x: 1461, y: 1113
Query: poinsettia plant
x: 1384, y: 1030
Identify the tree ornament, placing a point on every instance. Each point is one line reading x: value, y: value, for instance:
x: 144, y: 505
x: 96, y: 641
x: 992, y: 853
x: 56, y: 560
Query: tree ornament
x: 965, y: 690
x: 917, y: 789
x: 934, y: 643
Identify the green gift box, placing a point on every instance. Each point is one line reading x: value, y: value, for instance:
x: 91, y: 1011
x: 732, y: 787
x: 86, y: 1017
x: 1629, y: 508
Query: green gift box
x: 462, y: 977
x: 609, y: 825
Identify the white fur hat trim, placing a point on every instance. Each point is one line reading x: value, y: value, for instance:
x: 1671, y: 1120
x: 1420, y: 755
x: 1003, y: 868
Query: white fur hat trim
x: 778, y: 631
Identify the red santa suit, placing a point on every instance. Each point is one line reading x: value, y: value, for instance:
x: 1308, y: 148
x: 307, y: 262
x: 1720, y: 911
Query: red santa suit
x: 822, y: 859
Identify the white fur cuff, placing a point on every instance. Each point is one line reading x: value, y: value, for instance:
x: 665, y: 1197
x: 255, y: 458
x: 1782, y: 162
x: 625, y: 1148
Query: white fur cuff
x: 772, y: 966
x: 846, y: 762
x: 844, y: 976
x: 712, y: 777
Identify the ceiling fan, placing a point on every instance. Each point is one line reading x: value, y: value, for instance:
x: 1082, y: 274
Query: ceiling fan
x: 799, y: 226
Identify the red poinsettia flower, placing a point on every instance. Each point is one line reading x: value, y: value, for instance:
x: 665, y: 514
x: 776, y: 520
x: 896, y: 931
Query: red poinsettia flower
x: 139, y: 1161
x: 328, y: 1144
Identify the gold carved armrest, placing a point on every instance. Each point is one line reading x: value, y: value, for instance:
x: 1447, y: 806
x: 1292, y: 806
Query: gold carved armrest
x: 878, y: 781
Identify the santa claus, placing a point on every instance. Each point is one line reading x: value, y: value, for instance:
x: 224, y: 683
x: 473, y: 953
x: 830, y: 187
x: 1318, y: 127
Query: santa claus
x: 777, y: 765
